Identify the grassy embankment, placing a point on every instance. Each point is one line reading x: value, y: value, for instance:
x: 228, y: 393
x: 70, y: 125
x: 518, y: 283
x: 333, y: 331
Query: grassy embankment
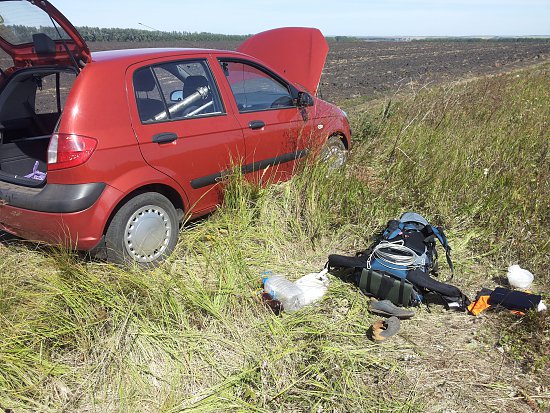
x: 473, y: 157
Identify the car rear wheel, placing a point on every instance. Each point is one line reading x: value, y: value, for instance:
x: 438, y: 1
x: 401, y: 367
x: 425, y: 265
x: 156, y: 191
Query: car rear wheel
x: 334, y: 153
x: 143, y: 231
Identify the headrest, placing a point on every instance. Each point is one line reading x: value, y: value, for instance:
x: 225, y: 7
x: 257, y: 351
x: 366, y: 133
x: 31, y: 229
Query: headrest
x: 144, y: 80
x: 192, y: 83
x: 43, y: 44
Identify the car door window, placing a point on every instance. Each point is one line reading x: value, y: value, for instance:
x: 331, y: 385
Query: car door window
x: 176, y: 90
x: 255, y: 89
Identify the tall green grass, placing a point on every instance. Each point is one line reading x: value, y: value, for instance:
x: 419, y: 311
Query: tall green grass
x: 475, y: 157
x: 79, y: 335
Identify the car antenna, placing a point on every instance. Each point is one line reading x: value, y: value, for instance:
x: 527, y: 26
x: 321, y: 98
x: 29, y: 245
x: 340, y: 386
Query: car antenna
x: 149, y: 27
x: 64, y: 44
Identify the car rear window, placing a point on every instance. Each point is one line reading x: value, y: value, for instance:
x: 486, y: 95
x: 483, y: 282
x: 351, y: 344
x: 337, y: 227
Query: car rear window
x: 19, y: 20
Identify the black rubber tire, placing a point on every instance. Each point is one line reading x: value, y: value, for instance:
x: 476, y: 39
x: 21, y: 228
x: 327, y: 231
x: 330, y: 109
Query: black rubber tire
x: 118, y: 249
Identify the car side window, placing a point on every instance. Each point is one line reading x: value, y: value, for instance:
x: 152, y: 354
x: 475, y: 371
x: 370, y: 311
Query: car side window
x: 149, y: 102
x: 176, y: 90
x: 254, y: 89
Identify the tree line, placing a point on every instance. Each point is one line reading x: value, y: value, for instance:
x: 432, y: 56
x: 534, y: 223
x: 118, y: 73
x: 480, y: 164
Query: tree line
x: 100, y: 34
x: 18, y: 34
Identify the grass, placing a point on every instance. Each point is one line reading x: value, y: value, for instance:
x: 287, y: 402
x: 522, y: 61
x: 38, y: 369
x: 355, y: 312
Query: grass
x: 191, y: 335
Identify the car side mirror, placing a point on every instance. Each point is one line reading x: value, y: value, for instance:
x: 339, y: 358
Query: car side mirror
x: 304, y: 99
x: 176, y: 95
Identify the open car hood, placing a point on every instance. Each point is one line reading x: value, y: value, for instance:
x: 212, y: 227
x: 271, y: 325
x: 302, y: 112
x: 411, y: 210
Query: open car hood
x: 29, y: 36
x: 298, y: 53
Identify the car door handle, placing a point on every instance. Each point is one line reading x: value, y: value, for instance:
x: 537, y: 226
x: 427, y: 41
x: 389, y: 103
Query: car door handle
x: 165, y: 137
x: 256, y: 124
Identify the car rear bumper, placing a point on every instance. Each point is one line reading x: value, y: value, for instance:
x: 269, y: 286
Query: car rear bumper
x: 81, y: 229
x: 55, y: 198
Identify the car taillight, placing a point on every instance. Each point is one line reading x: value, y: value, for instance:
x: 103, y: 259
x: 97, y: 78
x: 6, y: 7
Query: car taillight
x: 65, y: 151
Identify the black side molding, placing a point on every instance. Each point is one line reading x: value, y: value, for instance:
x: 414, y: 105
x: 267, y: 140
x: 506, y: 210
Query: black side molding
x: 256, y: 166
x: 287, y: 157
x: 55, y: 198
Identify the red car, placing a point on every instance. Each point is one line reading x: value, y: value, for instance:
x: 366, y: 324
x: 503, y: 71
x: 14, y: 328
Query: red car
x: 109, y: 150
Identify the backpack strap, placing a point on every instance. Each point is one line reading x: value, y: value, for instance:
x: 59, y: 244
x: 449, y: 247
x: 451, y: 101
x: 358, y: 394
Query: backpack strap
x: 393, y: 229
x: 440, y: 235
x: 422, y: 280
x: 343, y: 261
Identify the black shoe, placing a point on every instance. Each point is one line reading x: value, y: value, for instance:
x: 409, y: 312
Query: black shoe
x: 388, y: 309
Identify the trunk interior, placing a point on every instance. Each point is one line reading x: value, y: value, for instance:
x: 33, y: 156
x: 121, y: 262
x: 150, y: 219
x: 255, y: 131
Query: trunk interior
x: 31, y: 103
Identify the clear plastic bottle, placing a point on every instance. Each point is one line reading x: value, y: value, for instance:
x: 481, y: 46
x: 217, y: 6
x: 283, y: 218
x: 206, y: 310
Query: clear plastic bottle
x: 288, y: 293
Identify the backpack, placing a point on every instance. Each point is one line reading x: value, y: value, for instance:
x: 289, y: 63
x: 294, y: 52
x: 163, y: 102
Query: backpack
x: 399, y: 265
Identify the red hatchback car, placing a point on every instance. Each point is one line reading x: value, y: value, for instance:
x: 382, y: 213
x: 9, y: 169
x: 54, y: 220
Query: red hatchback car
x: 109, y: 150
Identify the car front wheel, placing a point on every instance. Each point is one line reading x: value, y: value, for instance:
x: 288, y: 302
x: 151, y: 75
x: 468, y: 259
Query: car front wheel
x: 143, y: 231
x: 334, y: 153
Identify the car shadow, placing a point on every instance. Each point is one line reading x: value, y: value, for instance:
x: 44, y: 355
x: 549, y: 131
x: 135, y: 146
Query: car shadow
x: 97, y: 255
x: 10, y: 240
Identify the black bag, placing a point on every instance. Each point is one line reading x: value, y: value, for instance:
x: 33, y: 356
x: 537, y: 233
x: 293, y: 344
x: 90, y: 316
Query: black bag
x: 514, y: 300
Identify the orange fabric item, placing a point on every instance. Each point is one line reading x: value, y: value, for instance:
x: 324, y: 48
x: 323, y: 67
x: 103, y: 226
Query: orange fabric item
x: 479, y: 305
x: 516, y: 312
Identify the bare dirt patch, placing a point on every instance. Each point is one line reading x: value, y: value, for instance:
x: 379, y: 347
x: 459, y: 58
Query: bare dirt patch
x: 450, y: 360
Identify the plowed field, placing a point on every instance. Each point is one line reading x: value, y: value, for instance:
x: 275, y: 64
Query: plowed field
x: 370, y: 68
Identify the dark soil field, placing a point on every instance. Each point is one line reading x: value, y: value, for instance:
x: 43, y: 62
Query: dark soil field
x: 371, y: 69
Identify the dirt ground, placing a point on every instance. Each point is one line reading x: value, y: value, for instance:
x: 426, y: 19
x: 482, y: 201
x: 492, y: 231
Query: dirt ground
x: 452, y: 360
x: 375, y: 68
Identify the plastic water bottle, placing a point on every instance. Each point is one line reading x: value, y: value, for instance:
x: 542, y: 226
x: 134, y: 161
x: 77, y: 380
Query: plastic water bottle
x: 288, y: 293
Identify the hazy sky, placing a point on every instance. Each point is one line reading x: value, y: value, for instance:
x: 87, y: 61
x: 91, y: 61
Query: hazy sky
x: 335, y: 17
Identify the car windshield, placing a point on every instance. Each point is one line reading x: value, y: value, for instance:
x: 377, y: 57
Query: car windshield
x: 19, y: 20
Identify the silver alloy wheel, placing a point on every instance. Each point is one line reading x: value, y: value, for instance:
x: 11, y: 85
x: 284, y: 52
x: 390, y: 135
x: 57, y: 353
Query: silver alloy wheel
x: 147, y: 233
x: 334, y: 153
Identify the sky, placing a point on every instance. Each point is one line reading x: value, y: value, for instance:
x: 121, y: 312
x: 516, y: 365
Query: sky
x: 335, y: 17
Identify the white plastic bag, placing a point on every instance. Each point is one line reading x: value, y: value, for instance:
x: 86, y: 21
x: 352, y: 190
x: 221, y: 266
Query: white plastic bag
x: 313, y: 286
x: 519, y: 278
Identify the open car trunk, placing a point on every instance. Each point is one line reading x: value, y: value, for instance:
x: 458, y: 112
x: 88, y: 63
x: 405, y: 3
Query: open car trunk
x: 31, y: 103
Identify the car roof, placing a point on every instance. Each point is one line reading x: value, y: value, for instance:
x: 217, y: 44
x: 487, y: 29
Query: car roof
x: 130, y: 56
